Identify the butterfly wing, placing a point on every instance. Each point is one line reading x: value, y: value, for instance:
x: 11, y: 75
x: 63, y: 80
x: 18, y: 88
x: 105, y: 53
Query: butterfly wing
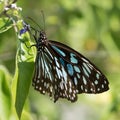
x: 84, y: 75
x: 62, y: 72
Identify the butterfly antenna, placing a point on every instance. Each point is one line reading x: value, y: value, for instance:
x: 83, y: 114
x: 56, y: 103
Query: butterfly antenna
x: 43, y: 18
x: 34, y: 22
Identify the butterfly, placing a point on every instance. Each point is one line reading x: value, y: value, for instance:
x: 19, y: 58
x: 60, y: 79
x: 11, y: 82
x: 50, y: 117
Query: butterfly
x: 62, y: 72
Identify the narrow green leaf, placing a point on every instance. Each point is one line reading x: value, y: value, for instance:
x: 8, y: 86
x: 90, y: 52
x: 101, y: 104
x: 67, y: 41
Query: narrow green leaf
x: 25, y: 70
x: 5, y: 94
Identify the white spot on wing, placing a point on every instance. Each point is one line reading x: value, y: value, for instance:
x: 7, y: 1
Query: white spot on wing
x: 64, y: 74
x: 61, y: 85
x: 96, y: 82
x: 102, y: 86
x: 84, y: 80
x: 97, y: 76
x: 85, y: 60
x: 49, y: 52
x: 86, y: 73
x: 98, y: 89
x: 75, y: 81
x: 85, y: 90
x: 87, y: 68
x: 70, y: 90
x: 56, y: 61
x: 38, y: 81
x: 78, y: 75
x: 81, y: 87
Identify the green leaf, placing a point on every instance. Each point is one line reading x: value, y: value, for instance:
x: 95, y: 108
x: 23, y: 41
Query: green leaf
x: 5, y: 24
x: 24, y: 71
x: 5, y: 94
x: 1, y: 6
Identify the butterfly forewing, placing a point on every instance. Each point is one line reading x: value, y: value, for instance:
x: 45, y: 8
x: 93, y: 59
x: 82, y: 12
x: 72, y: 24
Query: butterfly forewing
x: 62, y: 72
x: 86, y: 77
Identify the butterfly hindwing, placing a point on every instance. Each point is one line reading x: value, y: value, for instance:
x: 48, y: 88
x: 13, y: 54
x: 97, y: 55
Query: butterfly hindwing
x: 50, y: 76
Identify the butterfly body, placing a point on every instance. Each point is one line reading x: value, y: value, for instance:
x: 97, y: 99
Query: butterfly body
x: 62, y: 72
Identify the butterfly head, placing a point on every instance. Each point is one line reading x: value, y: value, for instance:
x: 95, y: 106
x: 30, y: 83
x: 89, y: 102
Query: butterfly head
x: 42, y: 36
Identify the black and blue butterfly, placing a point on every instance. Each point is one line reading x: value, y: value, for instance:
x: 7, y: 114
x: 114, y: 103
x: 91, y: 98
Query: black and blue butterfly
x: 62, y: 72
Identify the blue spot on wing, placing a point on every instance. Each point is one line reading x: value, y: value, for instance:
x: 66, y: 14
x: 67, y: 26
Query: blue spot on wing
x: 77, y: 69
x: 62, y: 61
x: 58, y: 50
x: 73, y: 59
x: 70, y: 69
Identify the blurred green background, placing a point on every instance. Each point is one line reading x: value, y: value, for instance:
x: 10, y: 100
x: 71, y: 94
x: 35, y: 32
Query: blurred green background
x: 91, y: 27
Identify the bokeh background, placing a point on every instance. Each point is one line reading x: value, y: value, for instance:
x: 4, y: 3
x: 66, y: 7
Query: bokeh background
x: 91, y: 27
